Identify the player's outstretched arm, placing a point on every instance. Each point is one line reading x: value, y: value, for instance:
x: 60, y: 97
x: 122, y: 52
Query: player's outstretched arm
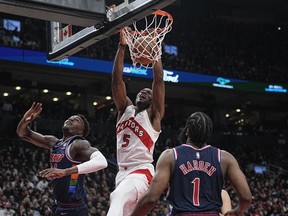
x: 81, y: 150
x: 25, y: 133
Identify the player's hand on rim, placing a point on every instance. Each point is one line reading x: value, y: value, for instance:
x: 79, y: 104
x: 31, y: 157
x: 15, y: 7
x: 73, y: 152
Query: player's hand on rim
x: 123, y: 41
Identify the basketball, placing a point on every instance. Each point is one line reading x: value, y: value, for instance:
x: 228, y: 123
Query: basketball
x: 143, y: 47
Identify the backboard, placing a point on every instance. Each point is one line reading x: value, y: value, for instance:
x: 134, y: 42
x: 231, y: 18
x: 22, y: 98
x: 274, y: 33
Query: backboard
x: 76, y: 12
x: 99, y: 20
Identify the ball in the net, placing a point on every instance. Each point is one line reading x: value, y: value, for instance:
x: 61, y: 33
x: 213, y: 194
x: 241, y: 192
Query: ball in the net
x: 143, y: 48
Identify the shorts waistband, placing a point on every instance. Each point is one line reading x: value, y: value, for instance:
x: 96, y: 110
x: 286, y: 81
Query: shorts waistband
x: 135, y: 167
x: 72, y: 204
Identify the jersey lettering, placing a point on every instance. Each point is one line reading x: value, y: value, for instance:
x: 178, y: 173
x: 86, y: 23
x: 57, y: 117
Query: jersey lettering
x: 199, y: 166
x: 137, y: 129
x: 194, y: 169
x: 133, y: 125
x: 56, y: 157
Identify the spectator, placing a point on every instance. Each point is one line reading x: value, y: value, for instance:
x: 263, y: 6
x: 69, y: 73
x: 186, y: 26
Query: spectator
x: 7, y: 107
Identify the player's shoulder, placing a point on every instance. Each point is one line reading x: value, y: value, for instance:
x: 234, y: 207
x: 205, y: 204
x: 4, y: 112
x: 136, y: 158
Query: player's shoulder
x: 225, y: 153
x: 127, y: 108
x: 167, y: 154
x: 227, y: 157
x: 80, y: 144
x: 78, y: 140
x: 51, y: 140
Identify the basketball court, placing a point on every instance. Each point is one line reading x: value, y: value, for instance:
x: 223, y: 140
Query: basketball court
x: 98, y: 21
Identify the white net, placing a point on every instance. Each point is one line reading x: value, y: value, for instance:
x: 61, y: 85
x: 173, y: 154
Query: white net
x: 145, y: 37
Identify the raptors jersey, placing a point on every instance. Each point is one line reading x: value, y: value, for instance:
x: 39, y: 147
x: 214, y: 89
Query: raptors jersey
x: 135, y: 138
x: 196, y: 181
x: 68, y: 189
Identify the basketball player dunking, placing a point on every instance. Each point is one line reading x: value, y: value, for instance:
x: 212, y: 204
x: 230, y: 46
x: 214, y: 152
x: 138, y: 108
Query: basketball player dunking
x: 137, y: 129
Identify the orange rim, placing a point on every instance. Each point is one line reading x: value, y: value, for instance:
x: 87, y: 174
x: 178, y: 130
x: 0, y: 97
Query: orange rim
x: 160, y: 13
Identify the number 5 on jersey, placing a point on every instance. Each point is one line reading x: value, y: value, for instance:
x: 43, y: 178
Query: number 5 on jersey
x: 126, y: 138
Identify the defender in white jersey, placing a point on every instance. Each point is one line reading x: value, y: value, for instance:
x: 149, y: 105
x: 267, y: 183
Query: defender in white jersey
x: 137, y: 129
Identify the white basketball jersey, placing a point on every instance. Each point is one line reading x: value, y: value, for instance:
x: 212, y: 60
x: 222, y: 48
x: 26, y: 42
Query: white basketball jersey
x: 135, y: 138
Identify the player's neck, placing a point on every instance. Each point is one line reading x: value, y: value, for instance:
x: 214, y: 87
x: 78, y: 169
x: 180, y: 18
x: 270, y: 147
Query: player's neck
x: 195, y: 146
x: 67, y: 136
x: 139, y: 109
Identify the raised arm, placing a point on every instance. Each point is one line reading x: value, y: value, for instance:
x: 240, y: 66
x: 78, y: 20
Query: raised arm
x: 25, y: 133
x: 158, y: 95
x: 118, y: 86
x: 239, y: 182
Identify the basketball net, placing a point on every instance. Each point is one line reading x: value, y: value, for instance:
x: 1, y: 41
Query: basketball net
x: 148, y: 34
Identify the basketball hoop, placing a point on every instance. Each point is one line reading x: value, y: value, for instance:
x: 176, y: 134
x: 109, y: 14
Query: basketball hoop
x: 145, y: 38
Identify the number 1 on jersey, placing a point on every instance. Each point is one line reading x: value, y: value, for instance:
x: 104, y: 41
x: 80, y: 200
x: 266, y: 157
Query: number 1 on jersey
x: 196, y: 190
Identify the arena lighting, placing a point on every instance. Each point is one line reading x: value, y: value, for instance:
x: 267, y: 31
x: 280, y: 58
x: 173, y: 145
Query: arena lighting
x: 45, y: 91
x: 222, y: 83
x: 275, y: 88
x: 5, y: 94
x: 55, y: 99
x: 238, y: 110
x: 18, y: 88
x: 95, y: 103
x: 12, y: 25
x: 108, y: 97
x: 227, y: 115
x: 259, y: 169
x: 170, y: 49
x: 68, y: 93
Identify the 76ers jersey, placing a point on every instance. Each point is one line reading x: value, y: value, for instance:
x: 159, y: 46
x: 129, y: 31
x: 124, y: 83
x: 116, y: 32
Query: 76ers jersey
x: 135, y: 138
x: 197, y: 180
x: 68, y: 189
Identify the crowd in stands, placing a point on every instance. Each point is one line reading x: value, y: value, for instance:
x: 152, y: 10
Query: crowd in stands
x: 24, y: 192
x: 249, y: 51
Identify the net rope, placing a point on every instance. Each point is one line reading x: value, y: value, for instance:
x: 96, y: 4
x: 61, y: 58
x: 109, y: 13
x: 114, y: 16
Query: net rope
x: 144, y: 37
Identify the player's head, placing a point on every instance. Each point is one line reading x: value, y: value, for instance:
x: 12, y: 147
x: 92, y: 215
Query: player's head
x: 144, y: 98
x: 86, y: 125
x: 76, y: 125
x: 198, y: 129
